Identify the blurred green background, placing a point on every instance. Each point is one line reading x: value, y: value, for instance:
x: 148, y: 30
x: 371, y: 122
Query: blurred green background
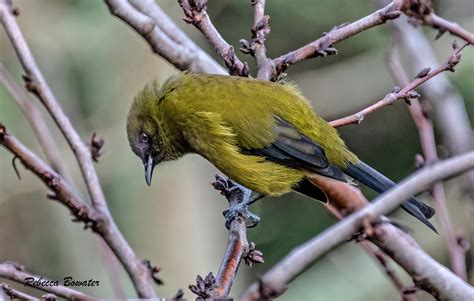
x: 95, y: 64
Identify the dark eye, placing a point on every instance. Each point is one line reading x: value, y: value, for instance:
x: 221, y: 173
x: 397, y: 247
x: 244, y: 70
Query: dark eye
x: 144, y: 138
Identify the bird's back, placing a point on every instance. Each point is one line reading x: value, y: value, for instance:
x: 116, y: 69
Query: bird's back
x: 250, y: 107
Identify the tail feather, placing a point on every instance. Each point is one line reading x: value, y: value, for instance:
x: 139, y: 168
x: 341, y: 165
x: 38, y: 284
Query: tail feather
x: 379, y: 183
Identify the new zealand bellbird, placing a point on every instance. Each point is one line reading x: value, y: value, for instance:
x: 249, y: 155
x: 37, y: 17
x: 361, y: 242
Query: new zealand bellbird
x: 263, y: 135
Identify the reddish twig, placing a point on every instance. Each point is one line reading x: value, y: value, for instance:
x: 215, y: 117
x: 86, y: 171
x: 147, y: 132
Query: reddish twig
x: 428, y: 145
x: 109, y: 231
x: 407, y: 92
x: 426, y: 272
x: 237, y: 249
x: 196, y: 14
x: 17, y: 273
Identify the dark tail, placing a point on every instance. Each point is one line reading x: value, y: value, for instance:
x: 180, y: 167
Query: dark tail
x: 378, y: 182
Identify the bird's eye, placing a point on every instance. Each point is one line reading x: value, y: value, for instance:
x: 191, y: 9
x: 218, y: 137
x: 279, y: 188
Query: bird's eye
x: 144, y: 138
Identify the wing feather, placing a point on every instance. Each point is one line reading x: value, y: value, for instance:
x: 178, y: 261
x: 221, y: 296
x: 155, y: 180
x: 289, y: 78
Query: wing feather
x: 293, y: 149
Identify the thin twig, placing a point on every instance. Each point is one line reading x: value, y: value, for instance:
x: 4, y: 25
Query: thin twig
x: 453, y: 28
x: 422, y: 11
x: 109, y: 231
x: 428, y: 145
x: 51, y: 151
x: 62, y: 191
x: 15, y: 294
x: 407, y: 294
x: 380, y: 256
x: 260, y: 31
x: 448, y: 105
x: 164, y: 36
x: 325, y: 45
x: 16, y: 273
x: 36, y: 84
x: 196, y: 14
x: 427, y: 273
x: 407, y: 92
x: 34, y: 116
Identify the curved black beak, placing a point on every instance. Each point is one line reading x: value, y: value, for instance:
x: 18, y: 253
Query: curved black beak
x: 149, y: 169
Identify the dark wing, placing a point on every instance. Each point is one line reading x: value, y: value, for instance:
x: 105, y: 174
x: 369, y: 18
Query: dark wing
x: 293, y: 149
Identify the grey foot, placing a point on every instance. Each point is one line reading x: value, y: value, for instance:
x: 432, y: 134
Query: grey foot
x: 240, y: 209
x: 239, y: 198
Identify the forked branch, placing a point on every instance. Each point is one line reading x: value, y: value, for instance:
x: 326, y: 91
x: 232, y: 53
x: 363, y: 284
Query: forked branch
x: 196, y: 14
x: 107, y: 228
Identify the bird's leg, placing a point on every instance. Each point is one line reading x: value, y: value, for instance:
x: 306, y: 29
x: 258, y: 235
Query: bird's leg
x: 239, y: 199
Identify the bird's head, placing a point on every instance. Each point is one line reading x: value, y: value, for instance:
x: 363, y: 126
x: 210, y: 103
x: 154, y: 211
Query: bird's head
x: 147, y: 134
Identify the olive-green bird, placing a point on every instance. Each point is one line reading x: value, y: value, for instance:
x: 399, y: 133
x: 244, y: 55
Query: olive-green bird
x: 263, y: 135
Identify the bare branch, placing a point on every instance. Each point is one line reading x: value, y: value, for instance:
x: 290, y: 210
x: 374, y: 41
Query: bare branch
x: 422, y: 11
x: 196, y: 14
x: 260, y: 30
x: 428, y: 145
x: 427, y: 273
x: 325, y: 45
x: 407, y: 92
x: 380, y: 256
x: 34, y: 116
x: 62, y: 191
x: 237, y: 246
x: 13, y: 293
x: 16, y: 273
x: 83, y: 212
x: 36, y: 84
x: 448, y: 104
x: 168, y: 41
x: 164, y: 36
x: 51, y: 150
x: 453, y: 28
x: 406, y: 294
